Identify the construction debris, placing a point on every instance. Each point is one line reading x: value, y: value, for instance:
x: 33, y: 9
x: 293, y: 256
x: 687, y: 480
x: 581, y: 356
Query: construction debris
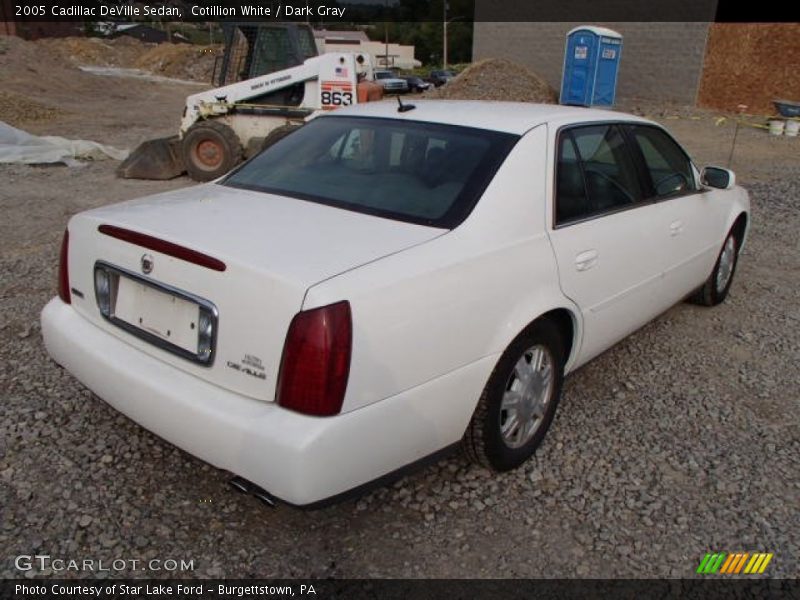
x: 17, y: 146
x: 497, y: 79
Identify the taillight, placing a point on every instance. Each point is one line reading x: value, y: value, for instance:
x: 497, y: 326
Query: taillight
x: 316, y: 360
x: 63, y: 270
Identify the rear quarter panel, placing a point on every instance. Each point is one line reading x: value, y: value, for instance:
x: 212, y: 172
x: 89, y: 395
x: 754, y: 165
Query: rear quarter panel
x: 440, y: 306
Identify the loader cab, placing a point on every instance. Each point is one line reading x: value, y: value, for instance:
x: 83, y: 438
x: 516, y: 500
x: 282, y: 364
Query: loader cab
x: 254, y: 49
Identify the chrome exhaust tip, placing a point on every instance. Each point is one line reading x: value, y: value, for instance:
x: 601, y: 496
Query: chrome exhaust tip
x: 264, y: 497
x: 240, y: 484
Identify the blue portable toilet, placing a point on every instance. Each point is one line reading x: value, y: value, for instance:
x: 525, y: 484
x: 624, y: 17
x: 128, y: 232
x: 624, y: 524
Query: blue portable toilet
x: 591, y: 64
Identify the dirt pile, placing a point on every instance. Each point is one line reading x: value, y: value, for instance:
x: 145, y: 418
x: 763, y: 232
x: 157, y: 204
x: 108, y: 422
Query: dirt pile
x: 16, y: 109
x: 182, y: 61
x: 497, y: 79
x: 44, y: 71
x: 17, y: 55
x: 45, y: 93
x: 128, y: 49
x: 82, y: 51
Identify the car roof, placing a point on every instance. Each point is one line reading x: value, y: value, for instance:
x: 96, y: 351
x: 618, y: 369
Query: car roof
x: 508, y: 117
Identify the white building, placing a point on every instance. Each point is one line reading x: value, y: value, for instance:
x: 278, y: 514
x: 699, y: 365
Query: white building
x: 399, y: 56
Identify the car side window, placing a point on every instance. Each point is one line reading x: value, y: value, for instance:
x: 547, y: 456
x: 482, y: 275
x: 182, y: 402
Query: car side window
x: 608, y: 178
x: 669, y: 168
x: 571, y: 200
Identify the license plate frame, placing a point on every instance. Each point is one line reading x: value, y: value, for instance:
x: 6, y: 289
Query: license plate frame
x: 158, y: 313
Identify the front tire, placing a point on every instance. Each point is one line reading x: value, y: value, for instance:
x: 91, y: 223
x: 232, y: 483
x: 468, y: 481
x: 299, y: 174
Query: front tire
x: 519, y: 400
x: 210, y: 149
x: 716, y: 287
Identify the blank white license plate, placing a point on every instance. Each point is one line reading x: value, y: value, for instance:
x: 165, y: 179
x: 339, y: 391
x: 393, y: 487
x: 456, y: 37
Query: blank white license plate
x: 168, y: 317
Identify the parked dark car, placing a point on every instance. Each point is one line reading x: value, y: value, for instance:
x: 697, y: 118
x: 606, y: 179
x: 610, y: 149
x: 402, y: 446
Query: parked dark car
x: 439, y: 78
x: 417, y: 84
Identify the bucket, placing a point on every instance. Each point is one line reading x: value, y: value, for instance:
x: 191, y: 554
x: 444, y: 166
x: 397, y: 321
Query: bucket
x: 776, y: 127
x: 792, y: 128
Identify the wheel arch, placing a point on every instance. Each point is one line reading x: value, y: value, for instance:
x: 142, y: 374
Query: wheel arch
x: 740, y: 227
x: 567, y: 322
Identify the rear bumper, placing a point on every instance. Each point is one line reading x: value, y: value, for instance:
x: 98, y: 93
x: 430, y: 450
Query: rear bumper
x: 299, y: 459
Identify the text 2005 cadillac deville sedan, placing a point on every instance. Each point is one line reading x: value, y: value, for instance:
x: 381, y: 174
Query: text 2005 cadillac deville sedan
x: 381, y: 285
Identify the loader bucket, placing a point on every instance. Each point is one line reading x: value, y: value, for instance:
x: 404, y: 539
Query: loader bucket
x: 154, y: 159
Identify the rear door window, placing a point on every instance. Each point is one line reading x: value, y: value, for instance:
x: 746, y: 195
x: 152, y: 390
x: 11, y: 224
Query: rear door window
x: 598, y: 157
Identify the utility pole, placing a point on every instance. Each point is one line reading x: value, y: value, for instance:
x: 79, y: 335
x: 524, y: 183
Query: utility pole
x: 444, y: 36
x: 386, y: 37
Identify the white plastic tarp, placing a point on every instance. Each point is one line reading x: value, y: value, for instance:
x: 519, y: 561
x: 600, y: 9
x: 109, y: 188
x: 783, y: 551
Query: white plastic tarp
x: 17, y: 146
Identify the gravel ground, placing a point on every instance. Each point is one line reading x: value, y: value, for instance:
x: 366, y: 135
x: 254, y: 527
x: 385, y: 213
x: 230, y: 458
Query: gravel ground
x: 682, y: 439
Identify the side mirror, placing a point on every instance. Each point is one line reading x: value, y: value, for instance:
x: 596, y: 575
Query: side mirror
x: 717, y: 177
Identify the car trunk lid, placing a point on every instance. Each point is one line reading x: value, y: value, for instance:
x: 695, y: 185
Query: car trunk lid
x: 246, y: 257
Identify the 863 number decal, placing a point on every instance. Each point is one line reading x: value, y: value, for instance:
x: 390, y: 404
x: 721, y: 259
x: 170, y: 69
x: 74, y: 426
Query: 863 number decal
x: 335, y: 94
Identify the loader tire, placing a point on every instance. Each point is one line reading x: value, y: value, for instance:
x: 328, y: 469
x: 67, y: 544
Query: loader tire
x: 279, y: 133
x: 210, y: 149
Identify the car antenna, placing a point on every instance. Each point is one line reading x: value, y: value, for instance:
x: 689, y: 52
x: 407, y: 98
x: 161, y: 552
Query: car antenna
x: 404, y: 107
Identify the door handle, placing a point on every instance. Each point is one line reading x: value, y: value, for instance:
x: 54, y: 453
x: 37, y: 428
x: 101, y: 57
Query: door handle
x: 586, y: 260
x: 675, y: 228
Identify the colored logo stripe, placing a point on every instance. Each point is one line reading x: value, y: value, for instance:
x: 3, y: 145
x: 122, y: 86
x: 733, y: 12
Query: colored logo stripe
x: 710, y: 563
x: 735, y: 563
x: 759, y: 563
x: 728, y: 563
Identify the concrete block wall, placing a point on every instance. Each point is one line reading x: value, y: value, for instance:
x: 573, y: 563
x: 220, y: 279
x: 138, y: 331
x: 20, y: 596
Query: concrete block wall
x: 660, y: 61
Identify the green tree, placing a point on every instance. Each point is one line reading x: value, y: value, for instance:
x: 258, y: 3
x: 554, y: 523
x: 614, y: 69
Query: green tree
x: 421, y: 24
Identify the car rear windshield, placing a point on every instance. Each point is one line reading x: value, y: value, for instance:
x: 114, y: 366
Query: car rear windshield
x: 409, y: 171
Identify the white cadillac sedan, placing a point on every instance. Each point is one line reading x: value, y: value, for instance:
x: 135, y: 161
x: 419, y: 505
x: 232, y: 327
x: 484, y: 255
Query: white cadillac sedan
x: 383, y: 285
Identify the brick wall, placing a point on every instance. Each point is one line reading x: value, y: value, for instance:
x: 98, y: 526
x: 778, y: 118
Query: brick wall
x: 662, y: 61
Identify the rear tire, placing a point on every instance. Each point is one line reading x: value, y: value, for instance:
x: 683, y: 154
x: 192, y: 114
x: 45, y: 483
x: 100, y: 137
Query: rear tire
x: 716, y: 287
x: 519, y: 400
x: 210, y: 149
x: 279, y: 133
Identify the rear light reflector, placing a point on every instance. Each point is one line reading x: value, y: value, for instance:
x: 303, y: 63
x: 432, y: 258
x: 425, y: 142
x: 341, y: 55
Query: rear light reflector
x: 168, y: 248
x: 205, y: 332
x: 316, y: 360
x: 102, y: 290
x: 63, y: 270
